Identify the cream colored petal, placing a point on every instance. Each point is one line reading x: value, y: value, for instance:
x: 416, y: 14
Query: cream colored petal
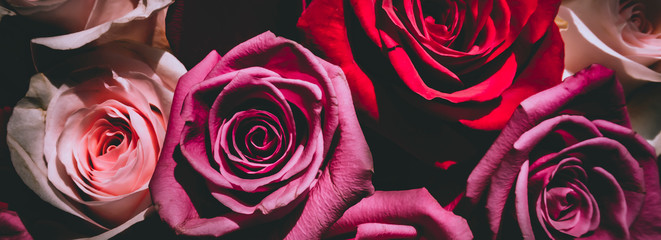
x: 128, y: 27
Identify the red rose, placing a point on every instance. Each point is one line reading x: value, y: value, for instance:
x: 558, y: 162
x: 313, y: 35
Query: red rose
x: 471, y: 61
x: 265, y: 133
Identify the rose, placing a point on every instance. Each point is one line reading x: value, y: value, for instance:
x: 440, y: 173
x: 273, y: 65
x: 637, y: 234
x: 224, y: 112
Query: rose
x: 624, y: 36
x: 11, y: 226
x: 78, y: 15
x: 72, y: 16
x: 618, y: 34
x: 266, y: 129
x: 568, y: 165
x: 87, y: 21
x: 409, y: 214
x: 87, y: 141
x: 399, y: 91
x: 471, y: 62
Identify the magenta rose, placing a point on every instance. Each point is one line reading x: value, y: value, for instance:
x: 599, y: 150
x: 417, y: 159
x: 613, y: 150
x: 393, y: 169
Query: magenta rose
x: 265, y: 133
x: 408, y: 214
x: 568, y: 165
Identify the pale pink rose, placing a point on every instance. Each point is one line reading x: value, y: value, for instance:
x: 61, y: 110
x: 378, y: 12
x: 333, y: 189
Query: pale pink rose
x: 620, y: 34
x: 408, y: 214
x: 262, y: 141
x: 72, y: 15
x: 86, y: 21
x: 87, y: 135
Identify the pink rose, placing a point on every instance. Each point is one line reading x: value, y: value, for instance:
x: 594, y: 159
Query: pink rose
x: 568, y: 165
x: 263, y: 131
x: 87, y: 137
x: 409, y: 214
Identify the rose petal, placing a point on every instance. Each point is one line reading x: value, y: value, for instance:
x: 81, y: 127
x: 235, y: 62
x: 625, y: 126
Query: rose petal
x: 121, y: 26
x: 390, y: 213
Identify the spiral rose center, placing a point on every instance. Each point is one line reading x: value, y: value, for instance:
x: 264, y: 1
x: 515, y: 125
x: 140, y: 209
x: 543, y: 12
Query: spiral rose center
x: 112, y: 143
x: 261, y: 137
x: 567, y: 205
x: 562, y: 203
x: 636, y: 13
x: 108, y: 134
x: 442, y: 23
x: 112, y: 137
x: 439, y: 13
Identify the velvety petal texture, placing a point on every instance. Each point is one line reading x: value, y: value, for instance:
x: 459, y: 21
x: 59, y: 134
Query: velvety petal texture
x: 87, y: 135
x: 408, y: 214
x: 265, y: 133
x: 465, y: 61
x: 568, y: 165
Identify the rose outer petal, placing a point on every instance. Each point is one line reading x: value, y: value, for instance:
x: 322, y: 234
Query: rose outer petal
x: 597, y: 81
x: 390, y: 212
x: 171, y: 200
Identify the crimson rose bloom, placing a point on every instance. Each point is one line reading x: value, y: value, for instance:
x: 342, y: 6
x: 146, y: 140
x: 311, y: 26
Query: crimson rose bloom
x: 266, y: 130
x: 466, y: 61
x: 568, y: 165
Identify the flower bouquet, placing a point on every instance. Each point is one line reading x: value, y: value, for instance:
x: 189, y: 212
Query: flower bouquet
x: 330, y: 119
